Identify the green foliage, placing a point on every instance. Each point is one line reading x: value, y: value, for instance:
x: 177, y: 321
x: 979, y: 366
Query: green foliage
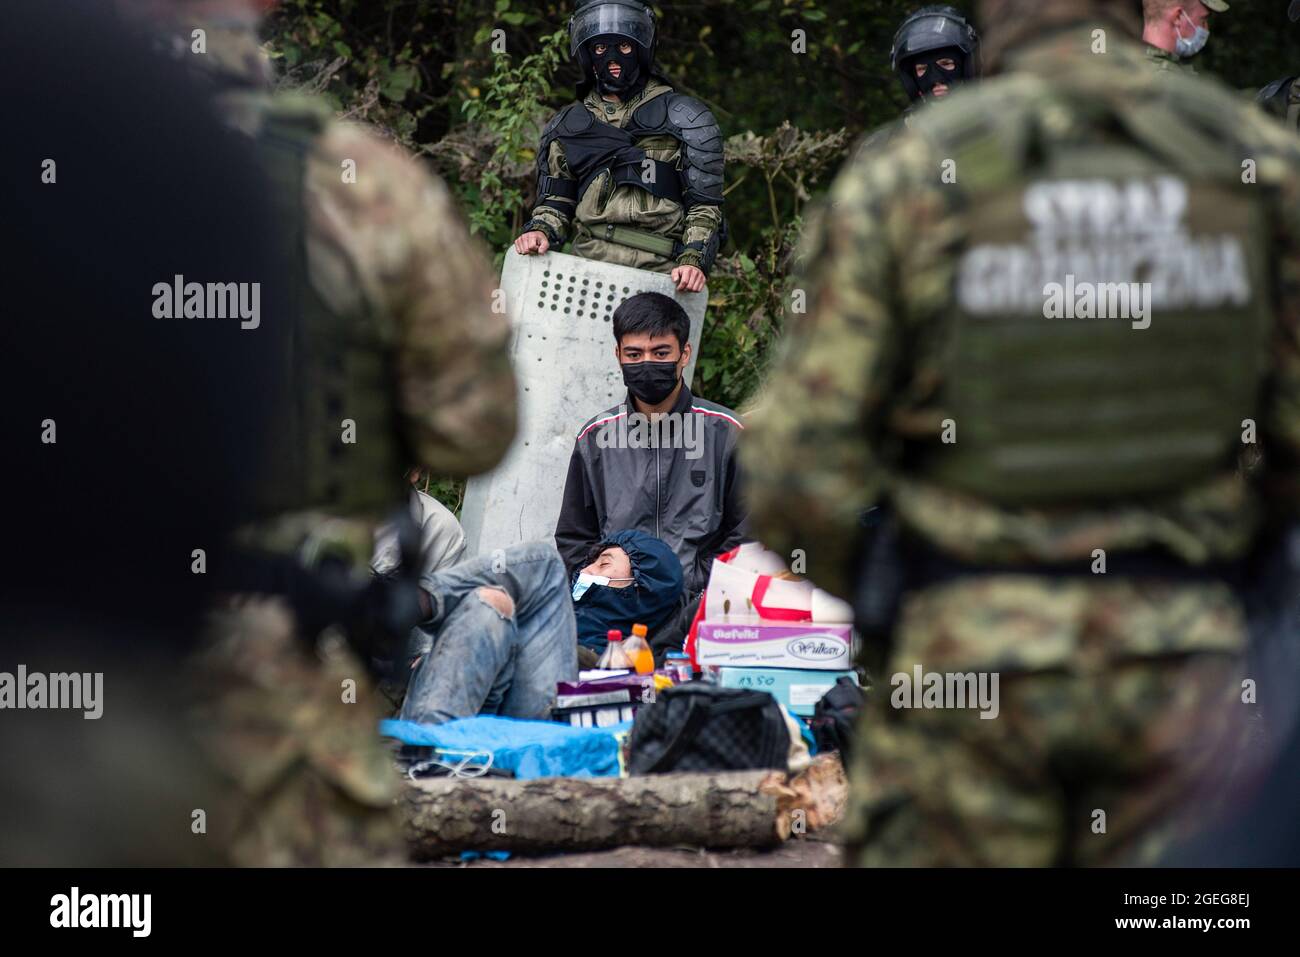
x: 511, y: 111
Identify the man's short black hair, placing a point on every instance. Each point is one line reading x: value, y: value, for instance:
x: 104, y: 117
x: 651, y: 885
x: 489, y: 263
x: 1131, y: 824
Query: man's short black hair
x: 652, y: 313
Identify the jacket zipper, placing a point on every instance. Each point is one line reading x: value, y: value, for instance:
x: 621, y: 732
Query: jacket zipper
x: 658, y: 486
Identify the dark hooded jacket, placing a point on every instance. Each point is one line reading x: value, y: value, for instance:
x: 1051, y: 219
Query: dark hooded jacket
x: 650, y: 600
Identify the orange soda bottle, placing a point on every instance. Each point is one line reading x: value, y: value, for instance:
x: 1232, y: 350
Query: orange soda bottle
x: 638, y: 649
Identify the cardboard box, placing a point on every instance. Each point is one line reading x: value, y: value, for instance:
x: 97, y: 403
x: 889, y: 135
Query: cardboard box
x: 797, y: 689
x: 757, y: 642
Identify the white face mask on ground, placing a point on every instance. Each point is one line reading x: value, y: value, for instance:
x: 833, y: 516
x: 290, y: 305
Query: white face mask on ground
x: 585, y: 581
x: 1190, y: 46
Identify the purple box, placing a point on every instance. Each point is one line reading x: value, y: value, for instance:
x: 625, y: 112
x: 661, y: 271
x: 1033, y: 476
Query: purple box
x: 756, y: 642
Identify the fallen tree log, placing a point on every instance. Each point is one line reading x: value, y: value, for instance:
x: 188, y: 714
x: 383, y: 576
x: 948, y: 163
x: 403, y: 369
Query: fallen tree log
x: 446, y: 816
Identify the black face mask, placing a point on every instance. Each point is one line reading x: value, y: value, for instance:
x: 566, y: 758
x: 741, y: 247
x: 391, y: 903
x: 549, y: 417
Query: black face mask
x: 629, y: 66
x: 651, y: 382
x: 935, y: 74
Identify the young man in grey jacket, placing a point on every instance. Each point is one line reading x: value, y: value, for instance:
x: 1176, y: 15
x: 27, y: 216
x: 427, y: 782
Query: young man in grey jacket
x: 662, y: 461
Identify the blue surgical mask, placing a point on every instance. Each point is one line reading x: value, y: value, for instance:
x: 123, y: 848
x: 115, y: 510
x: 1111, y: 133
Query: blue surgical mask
x: 1190, y: 46
x: 585, y: 581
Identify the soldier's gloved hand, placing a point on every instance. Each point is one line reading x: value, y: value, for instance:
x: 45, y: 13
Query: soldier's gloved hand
x: 688, y: 278
x: 532, y: 244
x: 388, y: 609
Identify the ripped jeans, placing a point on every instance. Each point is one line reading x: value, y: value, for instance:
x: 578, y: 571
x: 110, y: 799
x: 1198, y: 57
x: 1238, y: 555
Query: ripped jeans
x: 477, y: 660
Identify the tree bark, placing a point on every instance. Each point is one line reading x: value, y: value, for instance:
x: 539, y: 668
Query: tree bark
x: 445, y: 816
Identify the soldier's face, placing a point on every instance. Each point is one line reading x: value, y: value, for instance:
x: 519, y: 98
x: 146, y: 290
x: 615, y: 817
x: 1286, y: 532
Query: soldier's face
x: 944, y: 63
x: 614, y: 69
x: 641, y: 346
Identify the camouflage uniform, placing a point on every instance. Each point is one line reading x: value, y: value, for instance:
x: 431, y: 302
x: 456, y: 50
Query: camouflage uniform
x: 604, y: 204
x: 1163, y: 61
x: 420, y: 363
x: 1120, y: 694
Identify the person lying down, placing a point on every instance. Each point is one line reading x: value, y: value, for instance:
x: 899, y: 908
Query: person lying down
x: 506, y: 627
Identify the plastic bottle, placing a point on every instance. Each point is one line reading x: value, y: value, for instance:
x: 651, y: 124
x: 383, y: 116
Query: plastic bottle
x: 638, y: 649
x: 615, y: 657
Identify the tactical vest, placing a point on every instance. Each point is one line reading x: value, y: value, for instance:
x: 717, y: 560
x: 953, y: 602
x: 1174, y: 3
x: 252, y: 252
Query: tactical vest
x: 334, y: 366
x: 593, y: 147
x: 1059, y: 410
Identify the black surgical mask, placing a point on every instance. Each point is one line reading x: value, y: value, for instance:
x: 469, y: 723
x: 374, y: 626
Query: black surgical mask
x: 935, y: 74
x: 630, y: 69
x: 651, y: 382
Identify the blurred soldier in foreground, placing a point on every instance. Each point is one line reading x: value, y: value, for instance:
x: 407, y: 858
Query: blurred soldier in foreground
x: 1282, y: 97
x: 1175, y: 31
x: 1060, y: 448
x: 129, y: 440
x: 633, y: 171
x: 390, y: 355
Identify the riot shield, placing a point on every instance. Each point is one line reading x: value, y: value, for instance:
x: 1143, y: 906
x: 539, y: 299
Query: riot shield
x: 561, y: 308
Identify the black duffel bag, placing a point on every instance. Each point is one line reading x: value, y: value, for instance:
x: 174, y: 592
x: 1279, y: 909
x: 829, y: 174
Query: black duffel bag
x: 836, y: 716
x: 701, y: 727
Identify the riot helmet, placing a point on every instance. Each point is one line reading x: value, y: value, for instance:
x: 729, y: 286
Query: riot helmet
x: 931, y: 34
x: 612, y: 20
x: 1276, y: 97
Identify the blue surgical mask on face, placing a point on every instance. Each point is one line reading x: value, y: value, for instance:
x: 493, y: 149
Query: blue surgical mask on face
x: 585, y: 581
x: 1190, y: 46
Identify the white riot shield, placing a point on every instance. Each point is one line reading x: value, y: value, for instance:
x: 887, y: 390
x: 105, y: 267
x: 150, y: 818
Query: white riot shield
x: 561, y: 308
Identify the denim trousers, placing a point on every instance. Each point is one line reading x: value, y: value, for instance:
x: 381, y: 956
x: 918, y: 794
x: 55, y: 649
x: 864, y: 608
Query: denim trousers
x: 478, y: 661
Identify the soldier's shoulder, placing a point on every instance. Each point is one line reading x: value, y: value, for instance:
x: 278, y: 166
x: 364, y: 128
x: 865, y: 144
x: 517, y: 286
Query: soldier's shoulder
x: 577, y: 110
x: 354, y: 163
x: 906, y: 150
x: 1232, y: 118
x: 977, y: 108
x: 687, y: 111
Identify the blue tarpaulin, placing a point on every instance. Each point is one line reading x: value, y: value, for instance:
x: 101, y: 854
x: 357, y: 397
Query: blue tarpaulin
x: 531, y: 749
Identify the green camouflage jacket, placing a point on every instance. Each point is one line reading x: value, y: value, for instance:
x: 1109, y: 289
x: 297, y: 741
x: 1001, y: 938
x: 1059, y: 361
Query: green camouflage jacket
x: 858, y: 373
x: 384, y: 239
x: 1164, y: 61
x: 392, y: 245
x: 625, y: 205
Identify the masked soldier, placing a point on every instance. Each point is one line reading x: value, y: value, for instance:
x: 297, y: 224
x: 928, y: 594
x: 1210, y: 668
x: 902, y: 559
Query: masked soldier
x: 1175, y: 31
x: 934, y: 50
x: 1282, y: 97
x: 632, y: 173
x: 391, y: 355
x: 1075, y: 530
